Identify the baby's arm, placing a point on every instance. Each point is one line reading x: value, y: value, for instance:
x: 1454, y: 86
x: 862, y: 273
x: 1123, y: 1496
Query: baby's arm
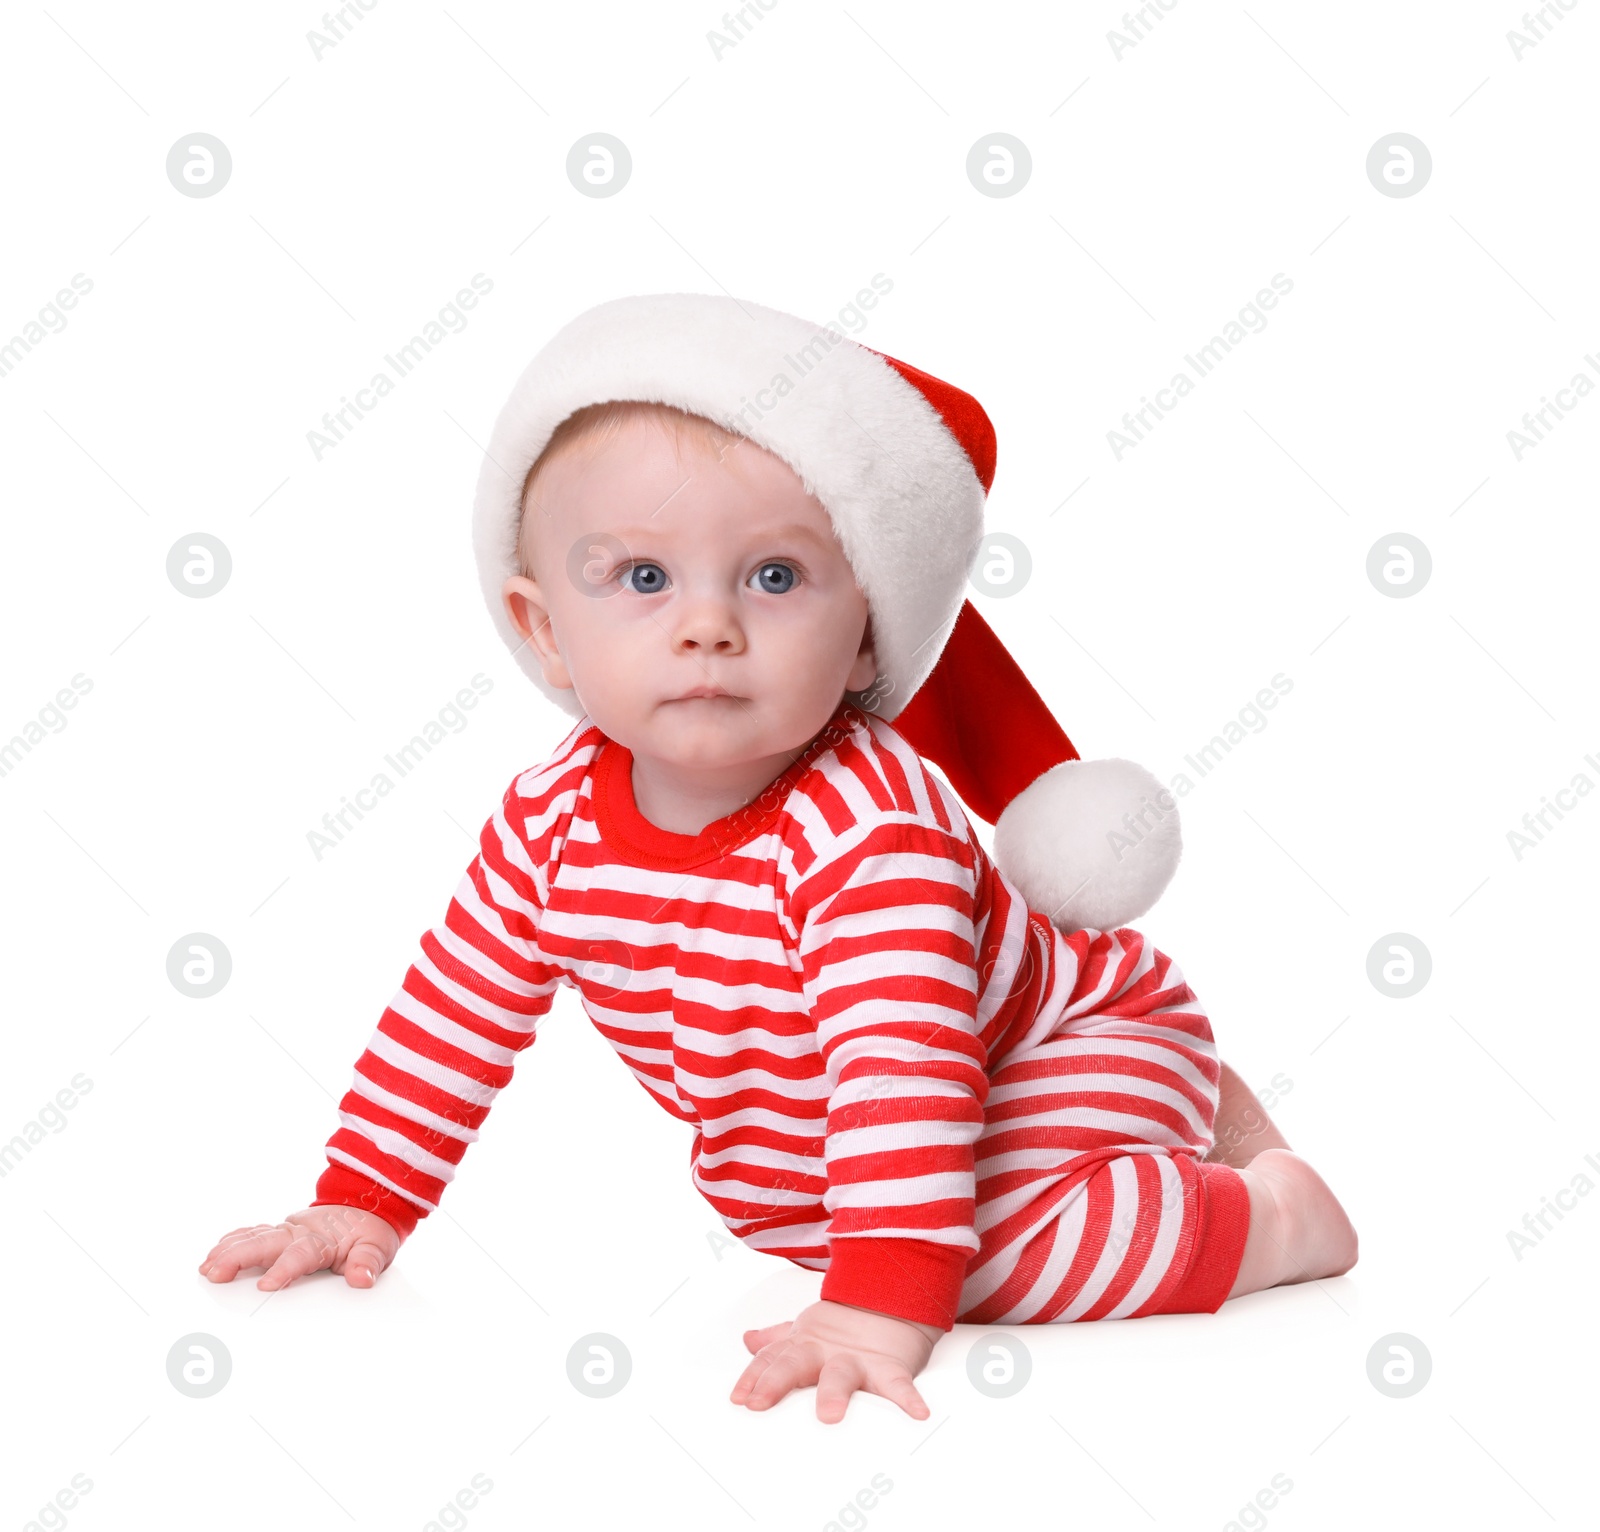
x: 440, y: 1055
x: 888, y: 951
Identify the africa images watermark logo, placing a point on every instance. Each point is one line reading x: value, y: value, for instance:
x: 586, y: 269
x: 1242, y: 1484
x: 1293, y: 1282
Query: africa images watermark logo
x: 1149, y: 813
x: 1537, y: 1224
x: 450, y: 320
x: 52, y: 717
x: 50, y: 320
x: 452, y: 716
x: 1536, y: 26
x: 848, y: 321
x: 1536, y: 823
x: 1538, y: 424
x: 1203, y: 361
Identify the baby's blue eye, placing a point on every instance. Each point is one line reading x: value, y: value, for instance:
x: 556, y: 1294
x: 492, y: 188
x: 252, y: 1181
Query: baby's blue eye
x: 653, y: 578
x: 776, y: 579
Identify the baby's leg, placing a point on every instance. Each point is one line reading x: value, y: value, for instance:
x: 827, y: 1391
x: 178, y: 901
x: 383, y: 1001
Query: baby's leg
x: 1298, y: 1231
x: 1242, y: 1128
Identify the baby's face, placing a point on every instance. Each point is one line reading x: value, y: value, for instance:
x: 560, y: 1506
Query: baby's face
x: 662, y: 570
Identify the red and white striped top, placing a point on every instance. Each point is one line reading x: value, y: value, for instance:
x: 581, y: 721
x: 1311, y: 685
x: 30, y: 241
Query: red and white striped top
x: 820, y: 983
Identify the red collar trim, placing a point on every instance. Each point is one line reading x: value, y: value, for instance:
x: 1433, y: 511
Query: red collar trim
x: 636, y: 839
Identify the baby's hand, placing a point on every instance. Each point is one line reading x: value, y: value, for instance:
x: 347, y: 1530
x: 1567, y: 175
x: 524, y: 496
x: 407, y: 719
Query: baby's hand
x: 840, y: 1348
x: 350, y: 1241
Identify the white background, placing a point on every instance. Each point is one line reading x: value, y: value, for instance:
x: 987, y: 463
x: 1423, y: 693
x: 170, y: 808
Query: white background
x: 1168, y: 186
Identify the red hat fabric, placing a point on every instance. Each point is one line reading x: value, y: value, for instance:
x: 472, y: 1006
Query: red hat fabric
x: 1020, y: 739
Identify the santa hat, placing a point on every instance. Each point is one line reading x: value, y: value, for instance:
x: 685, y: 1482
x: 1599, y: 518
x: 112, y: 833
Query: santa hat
x: 902, y: 462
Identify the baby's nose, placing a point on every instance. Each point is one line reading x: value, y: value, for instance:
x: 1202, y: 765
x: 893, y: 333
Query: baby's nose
x: 708, y: 625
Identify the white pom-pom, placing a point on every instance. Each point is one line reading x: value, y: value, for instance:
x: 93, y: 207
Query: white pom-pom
x: 1090, y: 844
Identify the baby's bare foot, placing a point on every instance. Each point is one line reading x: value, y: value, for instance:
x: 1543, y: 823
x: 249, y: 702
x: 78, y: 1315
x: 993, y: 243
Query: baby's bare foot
x: 1298, y: 1230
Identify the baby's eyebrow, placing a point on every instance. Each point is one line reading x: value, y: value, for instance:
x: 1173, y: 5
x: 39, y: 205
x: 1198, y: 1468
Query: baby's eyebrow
x: 793, y: 532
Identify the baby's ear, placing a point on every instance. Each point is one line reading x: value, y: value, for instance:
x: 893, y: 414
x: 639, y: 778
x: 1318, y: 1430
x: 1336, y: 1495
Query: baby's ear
x: 531, y: 618
x: 868, y: 644
x: 523, y: 603
x: 865, y: 670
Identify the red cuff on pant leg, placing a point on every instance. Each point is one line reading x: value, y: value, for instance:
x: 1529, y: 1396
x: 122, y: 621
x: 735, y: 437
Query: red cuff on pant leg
x: 1222, y: 1224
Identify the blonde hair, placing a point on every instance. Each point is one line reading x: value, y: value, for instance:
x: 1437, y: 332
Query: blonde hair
x: 592, y: 427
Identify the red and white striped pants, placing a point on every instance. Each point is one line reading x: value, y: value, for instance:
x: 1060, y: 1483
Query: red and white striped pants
x: 1093, y: 1201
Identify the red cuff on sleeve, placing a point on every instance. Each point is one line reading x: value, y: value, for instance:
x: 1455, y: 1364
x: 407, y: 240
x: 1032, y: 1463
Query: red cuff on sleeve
x: 908, y: 1278
x: 341, y: 1186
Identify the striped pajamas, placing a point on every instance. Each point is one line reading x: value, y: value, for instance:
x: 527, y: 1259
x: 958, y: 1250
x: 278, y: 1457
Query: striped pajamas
x: 897, y: 1074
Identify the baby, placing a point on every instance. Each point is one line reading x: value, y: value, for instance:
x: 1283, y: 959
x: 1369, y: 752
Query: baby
x: 899, y: 1072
